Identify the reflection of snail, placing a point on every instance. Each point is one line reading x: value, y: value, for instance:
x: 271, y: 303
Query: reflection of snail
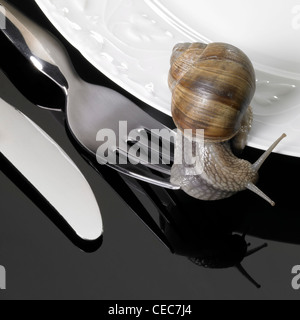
x: 228, y: 251
x: 207, y: 239
x: 212, y: 88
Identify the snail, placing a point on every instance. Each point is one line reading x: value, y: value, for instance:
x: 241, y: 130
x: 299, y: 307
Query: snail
x: 212, y: 87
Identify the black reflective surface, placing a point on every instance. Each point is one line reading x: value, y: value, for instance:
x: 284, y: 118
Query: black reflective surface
x: 43, y: 261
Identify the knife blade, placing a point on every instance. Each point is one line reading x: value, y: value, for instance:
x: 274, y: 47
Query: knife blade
x: 50, y: 171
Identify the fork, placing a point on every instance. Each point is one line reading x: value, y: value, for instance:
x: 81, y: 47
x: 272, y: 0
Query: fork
x: 90, y: 108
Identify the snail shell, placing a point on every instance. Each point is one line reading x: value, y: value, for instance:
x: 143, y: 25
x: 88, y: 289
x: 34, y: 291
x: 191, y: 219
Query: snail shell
x: 212, y: 87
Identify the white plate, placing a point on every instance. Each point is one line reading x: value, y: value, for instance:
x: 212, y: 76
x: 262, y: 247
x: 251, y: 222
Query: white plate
x: 131, y: 41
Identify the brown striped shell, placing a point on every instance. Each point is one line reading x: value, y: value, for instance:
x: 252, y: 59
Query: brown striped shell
x: 212, y: 87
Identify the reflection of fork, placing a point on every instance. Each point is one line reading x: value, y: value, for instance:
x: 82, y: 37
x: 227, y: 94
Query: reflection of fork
x: 90, y: 108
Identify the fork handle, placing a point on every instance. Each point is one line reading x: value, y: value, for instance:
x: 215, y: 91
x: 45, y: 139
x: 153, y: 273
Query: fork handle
x: 29, y: 46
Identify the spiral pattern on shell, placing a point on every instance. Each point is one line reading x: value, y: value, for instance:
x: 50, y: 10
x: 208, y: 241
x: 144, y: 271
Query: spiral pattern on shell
x: 212, y: 87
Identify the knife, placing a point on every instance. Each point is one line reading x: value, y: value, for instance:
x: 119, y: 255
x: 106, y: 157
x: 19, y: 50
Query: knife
x: 39, y: 159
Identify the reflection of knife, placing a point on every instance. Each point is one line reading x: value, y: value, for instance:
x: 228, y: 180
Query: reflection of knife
x: 50, y: 171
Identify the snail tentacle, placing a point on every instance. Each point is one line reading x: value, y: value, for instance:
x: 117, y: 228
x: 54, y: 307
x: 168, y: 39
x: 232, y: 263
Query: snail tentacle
x: 258, y: 164
x: 252, y: 187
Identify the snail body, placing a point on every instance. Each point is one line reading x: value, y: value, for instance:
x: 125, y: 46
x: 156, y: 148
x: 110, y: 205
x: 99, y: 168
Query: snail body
x: 223, y: 174
x: 212, y: 88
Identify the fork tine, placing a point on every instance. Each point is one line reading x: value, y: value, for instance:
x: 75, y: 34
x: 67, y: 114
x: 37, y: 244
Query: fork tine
x: 164, y: 169
x: 165, y: 147
x: 157, y: 146
x: 156, y: 167
x: 157, y: 155
x: 140, y: 173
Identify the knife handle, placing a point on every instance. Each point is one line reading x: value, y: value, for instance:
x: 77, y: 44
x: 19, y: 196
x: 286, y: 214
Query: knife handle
x: 29, y: 45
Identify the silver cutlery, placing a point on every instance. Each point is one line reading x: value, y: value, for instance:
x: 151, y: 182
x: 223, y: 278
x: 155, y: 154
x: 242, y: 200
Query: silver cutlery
x: 89, y: 108
x: 50, y: 171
